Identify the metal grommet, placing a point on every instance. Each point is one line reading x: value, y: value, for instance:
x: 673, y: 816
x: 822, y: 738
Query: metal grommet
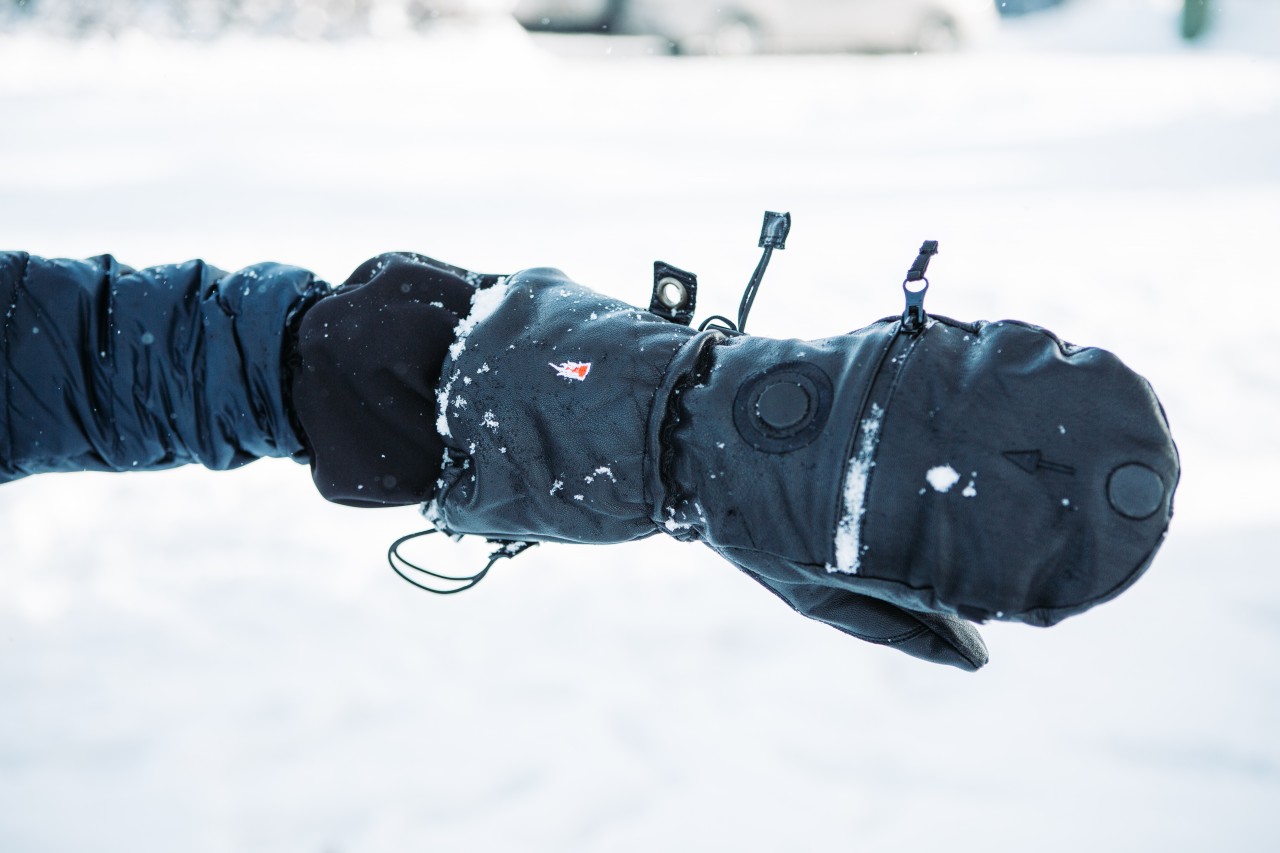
x: 672, y: 292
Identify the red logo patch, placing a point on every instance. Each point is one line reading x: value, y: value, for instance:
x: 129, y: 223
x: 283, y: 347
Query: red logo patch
x: 572, y: 369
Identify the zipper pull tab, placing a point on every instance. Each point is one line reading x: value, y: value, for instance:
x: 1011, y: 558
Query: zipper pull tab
x: 915, y: 286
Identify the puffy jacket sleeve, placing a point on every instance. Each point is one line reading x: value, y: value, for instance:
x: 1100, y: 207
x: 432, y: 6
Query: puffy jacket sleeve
x: 107, y: 368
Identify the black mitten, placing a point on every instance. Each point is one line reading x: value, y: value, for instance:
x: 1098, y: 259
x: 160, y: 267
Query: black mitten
x: 364, y: 375
x: 886, y: 482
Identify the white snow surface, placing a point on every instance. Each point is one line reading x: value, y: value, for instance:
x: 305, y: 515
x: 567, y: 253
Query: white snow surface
x: 208, y: 661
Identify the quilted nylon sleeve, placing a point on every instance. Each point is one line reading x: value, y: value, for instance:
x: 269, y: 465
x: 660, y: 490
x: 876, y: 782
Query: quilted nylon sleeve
x: 107, y: 368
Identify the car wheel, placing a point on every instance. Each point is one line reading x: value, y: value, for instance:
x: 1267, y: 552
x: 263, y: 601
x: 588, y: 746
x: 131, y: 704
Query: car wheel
x: 735, y: 37
x: 937, y: 34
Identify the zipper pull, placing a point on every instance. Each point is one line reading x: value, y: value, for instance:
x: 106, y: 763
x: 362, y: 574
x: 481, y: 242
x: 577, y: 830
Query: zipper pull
x: 913, y: 316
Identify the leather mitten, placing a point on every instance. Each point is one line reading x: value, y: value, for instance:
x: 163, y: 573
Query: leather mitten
x: 893, y: 482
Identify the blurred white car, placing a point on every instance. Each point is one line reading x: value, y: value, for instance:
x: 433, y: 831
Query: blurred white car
x: 747, y: 26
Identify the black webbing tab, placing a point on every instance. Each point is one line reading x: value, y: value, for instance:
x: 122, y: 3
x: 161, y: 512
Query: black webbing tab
x: 927, y: 251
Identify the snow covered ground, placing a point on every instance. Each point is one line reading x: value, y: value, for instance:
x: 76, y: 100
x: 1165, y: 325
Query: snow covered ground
x: 222, y: 662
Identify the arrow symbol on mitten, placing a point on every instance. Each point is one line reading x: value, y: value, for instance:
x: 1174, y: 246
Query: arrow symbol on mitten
x: 1032, y: 461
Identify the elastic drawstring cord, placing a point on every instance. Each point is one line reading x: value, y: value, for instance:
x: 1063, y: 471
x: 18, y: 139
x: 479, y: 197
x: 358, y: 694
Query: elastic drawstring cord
x: 506, y: 551
x: 773, y: 235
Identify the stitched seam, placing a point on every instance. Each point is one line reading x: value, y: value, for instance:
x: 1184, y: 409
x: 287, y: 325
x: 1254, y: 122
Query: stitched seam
x: 900, y: 638
x: 910, y: 634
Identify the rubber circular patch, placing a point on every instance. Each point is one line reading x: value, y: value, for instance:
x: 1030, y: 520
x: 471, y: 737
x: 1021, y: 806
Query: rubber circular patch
x: 782, y: 405
x: 784, y: 408
x: 1135, y: 491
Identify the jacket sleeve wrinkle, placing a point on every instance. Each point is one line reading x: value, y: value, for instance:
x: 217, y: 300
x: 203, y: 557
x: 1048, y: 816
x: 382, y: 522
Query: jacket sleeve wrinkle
x: 114, y: 369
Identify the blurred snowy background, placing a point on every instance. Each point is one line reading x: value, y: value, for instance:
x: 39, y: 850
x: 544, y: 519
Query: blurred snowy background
x: 222, y: 662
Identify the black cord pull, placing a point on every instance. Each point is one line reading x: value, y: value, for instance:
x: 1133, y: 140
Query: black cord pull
x: 773, y: 235
x: 913, y: 316
x: 506, y: 550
